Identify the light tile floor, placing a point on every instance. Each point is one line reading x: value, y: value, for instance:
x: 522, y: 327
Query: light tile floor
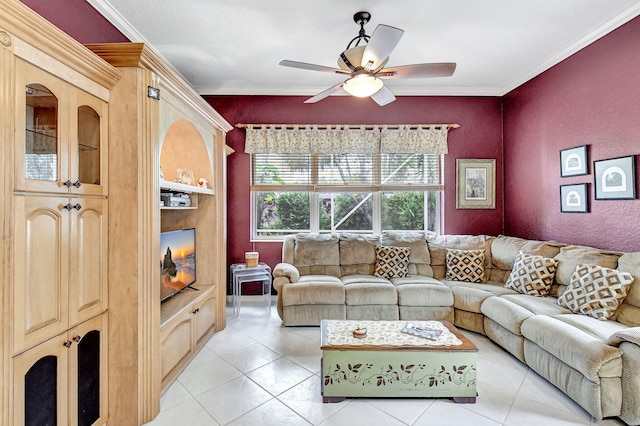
x: 257, y: 372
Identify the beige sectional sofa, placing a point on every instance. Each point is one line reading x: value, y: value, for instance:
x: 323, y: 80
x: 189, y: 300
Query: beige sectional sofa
x: 595, y: 362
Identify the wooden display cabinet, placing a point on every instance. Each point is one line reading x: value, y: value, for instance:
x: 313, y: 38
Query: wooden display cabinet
x: 54, y: 115
x: 180, y: 130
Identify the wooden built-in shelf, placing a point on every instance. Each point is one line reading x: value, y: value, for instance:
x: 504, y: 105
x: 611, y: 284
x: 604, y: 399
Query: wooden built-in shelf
x: 181, y: 187
x: 186, y: 298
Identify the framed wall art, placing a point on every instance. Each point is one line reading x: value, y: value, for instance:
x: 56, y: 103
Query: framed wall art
x: 574, y: 161
x: 615, y: 178
x: 475, y: 184
x: 574, y: 198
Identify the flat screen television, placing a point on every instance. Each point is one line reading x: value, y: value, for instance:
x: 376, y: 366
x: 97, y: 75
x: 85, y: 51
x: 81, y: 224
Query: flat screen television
x: 177, y: 261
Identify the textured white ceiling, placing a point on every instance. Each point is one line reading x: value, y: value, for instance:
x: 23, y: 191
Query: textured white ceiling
x: 233, y: 47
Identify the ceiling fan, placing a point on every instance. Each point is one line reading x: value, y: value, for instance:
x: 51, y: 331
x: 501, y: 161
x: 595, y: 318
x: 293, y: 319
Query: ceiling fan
x: 364, y: 64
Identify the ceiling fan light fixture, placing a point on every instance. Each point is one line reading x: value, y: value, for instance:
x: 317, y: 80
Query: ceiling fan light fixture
x: 362, y: 86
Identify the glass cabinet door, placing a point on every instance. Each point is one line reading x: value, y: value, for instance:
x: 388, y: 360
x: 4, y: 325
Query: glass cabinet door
x: 41, y: 130
x: 41, y: 133
x: 88, y: 148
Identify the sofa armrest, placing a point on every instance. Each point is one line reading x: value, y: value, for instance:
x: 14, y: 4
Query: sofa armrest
x: 629, y: 343
x: 287, y: 270
x: 631, y: 335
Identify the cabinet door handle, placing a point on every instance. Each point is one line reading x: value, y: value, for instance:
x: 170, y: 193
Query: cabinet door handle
x: 195, y: 311
x: 68, y: 184
x: 70, y: 207
x: 77, y: 338
x: 68, y: 344
x: 77, y: 184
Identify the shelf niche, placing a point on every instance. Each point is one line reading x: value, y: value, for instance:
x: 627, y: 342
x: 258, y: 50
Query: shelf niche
x: 184, y: 147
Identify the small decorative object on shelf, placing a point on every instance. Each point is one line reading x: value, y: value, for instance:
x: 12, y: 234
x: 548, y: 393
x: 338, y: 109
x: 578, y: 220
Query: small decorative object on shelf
x: 202, y: 183
x: 360, y: 333
x: 185, y: 176
x: 251, y: 258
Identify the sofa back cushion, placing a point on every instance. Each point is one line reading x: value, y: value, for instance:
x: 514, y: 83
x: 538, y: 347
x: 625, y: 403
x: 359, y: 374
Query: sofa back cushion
x: 629, y: 311
x: 317, y: 254
x: 571, y: 256
x: 357, y: 253
x: 438, y: 245
x: 504, y: 251
x: 419, y: 259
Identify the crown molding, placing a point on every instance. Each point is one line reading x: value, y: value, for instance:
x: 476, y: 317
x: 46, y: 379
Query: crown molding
x: 311, y: 91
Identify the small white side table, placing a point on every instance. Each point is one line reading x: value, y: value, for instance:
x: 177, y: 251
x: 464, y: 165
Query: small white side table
x: 241, y: 274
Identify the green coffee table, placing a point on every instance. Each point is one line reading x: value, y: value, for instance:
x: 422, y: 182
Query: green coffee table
x: 389, y: 363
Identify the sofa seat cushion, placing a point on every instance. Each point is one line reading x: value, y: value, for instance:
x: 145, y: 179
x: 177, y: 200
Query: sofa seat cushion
x: 580, y: 350
x: 424, y: 294
x: 314, y: 290
x: 506, y: 313
x: 370, y: 294
x: 366, y: 279
x: 469, y: 296
x: 537, y: 305
x: 602, y: 330
x: 415, y: 279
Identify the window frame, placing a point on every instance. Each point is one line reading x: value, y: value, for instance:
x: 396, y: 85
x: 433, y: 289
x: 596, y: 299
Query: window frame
x: 314, y: 189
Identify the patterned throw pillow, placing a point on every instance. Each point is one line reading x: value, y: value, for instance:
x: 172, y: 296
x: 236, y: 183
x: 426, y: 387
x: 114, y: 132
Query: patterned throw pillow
x: 392, y: 261
x: 532, y: 274
x: 596, y: 291
x: 465, y: 265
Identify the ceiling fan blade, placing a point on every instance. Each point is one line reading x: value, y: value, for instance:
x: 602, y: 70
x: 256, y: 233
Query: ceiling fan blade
x: 320, y: 96
x: 382, y: 42
x: 312, y: 67
x: 443, y: 69
x: 383, y: 96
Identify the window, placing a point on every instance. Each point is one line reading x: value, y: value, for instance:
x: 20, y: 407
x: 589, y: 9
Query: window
x: 365, y: 193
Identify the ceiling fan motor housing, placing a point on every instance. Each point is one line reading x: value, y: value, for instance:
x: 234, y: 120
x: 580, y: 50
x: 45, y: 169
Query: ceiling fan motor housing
x: 354, y: 56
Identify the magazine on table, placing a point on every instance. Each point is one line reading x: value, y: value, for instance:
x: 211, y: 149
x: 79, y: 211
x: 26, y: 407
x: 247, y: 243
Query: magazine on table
x: 422, y: 331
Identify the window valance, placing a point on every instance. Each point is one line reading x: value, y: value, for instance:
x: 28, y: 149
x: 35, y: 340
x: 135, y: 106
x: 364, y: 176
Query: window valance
x: 345, y: 139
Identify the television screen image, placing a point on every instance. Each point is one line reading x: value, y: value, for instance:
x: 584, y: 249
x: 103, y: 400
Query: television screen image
x: 177, y: 261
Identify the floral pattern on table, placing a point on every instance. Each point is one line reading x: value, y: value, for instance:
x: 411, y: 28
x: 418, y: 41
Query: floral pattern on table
x: 387, y: 375
x: 386, y: 333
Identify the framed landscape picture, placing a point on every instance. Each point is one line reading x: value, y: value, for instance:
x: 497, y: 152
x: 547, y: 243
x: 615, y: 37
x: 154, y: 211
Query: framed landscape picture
x: 615, y: 178
x: 475, y: 184
x: 574, y: 161
x: 574, y: 198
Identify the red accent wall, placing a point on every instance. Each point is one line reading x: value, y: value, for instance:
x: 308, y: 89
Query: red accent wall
x: 480, y: 136
x: 591, y: 98
x: 78, y: 19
